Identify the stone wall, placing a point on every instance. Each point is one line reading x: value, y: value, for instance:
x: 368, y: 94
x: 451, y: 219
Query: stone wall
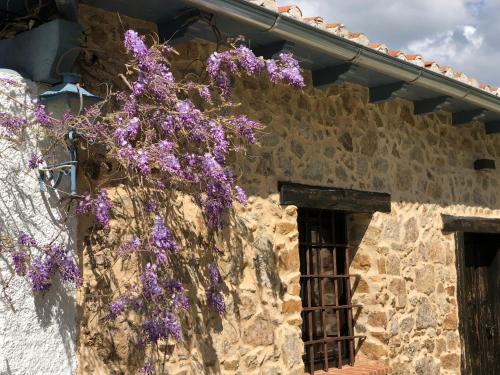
x: 37, y: 332
x: 329, y: 137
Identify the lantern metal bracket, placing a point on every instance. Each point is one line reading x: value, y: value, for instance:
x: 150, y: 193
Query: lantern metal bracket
x: 54, y: 173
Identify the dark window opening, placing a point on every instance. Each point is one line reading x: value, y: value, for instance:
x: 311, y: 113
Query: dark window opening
x: 327, y: 317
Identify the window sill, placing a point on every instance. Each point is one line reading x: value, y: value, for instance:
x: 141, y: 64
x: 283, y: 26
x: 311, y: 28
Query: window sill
x: 359, y: 369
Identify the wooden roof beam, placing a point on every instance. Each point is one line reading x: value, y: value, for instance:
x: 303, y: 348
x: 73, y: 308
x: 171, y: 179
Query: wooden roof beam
x: 492, y: 127
x: 425, y: 106
x: 272, y: 50
x: 464, y: 117
x: 387, y: 92
x: 334, y: 75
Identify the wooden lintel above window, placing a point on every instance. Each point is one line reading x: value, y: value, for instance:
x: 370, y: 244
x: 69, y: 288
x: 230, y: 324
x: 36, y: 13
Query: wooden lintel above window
x: 470, y: 224
x: 330, y: 198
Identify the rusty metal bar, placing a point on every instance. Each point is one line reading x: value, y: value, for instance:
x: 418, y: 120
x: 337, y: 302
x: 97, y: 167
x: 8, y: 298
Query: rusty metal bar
x: 330, y: 307
x: 309, y: 303
x: 326, y: 244
x: 334, y: 339
x: 325, y: 276
x: 323, y: 310
x: 348, y: 296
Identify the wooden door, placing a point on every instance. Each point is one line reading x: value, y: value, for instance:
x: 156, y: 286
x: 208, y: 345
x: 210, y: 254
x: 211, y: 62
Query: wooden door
x: 478, y: 272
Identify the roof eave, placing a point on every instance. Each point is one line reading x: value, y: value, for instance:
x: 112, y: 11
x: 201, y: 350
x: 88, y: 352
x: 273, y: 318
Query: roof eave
x: 312, y: 37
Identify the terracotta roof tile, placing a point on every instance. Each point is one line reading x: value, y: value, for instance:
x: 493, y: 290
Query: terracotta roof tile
x: 379, y: 47
x: 271, y: 4
x: 358, y: 38
x: 291, y: 11
x: 315, y: 21
x: 432, y: 65
x: 340, y: 30
x: 398, y: 54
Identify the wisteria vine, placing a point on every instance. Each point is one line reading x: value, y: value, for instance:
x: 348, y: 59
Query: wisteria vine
x: 163, y: 135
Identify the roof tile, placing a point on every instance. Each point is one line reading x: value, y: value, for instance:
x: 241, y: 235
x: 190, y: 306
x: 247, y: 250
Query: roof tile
x: 340, y: 30
x: 291, y: 11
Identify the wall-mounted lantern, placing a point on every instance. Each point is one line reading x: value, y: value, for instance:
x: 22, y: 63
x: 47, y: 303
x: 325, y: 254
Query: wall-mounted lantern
x: 62, y: 98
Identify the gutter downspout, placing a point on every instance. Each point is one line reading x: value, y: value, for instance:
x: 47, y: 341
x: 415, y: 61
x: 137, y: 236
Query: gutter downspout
x: 312, y: 37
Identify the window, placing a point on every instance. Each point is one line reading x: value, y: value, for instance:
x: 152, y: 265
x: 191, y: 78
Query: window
x: 327, y: 328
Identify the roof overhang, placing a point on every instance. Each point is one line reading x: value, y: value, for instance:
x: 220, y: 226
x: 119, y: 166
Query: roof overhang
x: 332, y: 59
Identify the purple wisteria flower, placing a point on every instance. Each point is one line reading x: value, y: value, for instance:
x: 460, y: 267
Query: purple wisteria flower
x: 285, y: 70
x: 216, y: 299
x: 117, y: 307
x: 20, y: 260
x: 150, y: 206
x: 135, y: 44
x: 149, y: 279
x: 128, y: 248
x: 11, y: 126
x: 148, y: 368
x: 162, y: 237
x: 102, y: 207
x: 222, y: 65
x: 34, y: 161
x: 141, y: 161
x: 40, y: 275
x: 127, y: 133
x: 176, y: 294
x: 85, y: 205
x: 24, y: 239
x: 214, y: 295
x: 42, y: 117
x: 213, y: 272
x: 162, y: 328
x: 220, y: 149
x: 241, y: 196
x: 246, y: 128
x: 205, y: 93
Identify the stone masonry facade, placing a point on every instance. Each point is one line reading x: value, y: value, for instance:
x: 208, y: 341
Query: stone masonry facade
x: 325, y: 137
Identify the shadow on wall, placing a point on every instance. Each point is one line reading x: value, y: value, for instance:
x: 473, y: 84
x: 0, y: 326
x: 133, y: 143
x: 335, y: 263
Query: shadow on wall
x: 107, y: 349
x: 331, y: 137
x: 44, y: 321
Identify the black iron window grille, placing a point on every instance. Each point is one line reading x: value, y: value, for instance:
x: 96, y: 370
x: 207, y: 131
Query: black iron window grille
x: 327, y: 316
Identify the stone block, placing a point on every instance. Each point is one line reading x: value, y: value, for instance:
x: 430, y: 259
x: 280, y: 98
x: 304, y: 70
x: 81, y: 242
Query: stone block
x: 392, y: 265
x: 373, y: 351
x: 377, y: 319
x: 286, y: 228
x: 258, y: 332
x: 450, y: 322
x: 398, y: 288
x: 406, y: 325
x: 424, y: 280
x: 411, y: 231
x: 290, y: 260
x: 427, y: 366
x: 292, y: 350
x: 361, y: 262
x: 291, y: 306
x: 450, y: 361
x: 426, y: 316
x: 247, y: 307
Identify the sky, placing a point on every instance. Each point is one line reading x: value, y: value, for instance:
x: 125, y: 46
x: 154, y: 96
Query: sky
x: 464, y: 34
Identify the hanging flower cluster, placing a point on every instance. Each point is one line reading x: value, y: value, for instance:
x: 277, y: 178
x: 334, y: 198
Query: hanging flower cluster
x: 41, y: 263
x: 164, y: 135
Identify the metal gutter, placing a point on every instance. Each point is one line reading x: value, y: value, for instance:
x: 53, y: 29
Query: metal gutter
x: 309, y: 36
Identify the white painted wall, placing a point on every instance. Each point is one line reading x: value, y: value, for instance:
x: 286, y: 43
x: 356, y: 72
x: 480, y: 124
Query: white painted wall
x: 37, y: 333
